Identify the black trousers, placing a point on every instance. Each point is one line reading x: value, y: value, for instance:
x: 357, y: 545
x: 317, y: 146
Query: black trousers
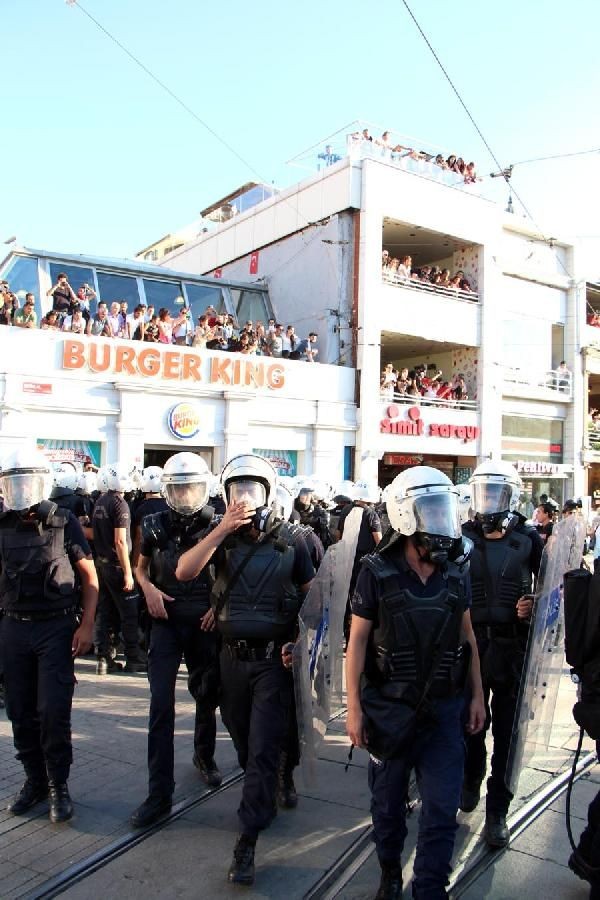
x: 255, y: 703
x: 112, y: 598
x: 39, y: 679
x: 501, y: 670
x: 170, y: 641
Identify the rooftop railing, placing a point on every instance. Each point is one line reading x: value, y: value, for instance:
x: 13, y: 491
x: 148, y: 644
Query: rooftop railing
x: 552, y: 379
x: 435, y: 402
x: 427, y: 287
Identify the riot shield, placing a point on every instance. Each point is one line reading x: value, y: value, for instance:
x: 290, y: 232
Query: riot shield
x: 544, y: 656
x: 318, y: 652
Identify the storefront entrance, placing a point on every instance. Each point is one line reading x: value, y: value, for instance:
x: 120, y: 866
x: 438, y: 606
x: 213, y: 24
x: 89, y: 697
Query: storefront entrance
x: 156, y: 455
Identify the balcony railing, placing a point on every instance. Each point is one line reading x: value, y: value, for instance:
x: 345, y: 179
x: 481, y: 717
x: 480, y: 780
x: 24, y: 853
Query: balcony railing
x: 414, y: 284
x: 552, y: 379
x: 357, y: 148
x: 436, y: 402
x: 594, y: 438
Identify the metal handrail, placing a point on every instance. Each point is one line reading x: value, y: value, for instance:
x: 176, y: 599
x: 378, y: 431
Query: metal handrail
x: 552, y: 379
x: 428, y: 287
x: 448, y: 403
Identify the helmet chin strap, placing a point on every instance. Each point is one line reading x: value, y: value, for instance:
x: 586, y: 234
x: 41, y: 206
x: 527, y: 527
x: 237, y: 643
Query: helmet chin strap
x: 500, y: 521
x: 432, y: 548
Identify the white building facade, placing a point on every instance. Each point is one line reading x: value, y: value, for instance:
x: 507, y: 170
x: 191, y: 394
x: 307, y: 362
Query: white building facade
x: 318, y: 247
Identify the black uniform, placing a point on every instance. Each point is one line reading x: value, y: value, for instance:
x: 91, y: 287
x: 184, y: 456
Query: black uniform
x: 110, y: 512
x: 409, y: 619
x: 256, y: 611
x: 502, y: 571
x: 39, y: 601
x: 314, y: 516
x: 65, y: 498
x: 370, y: 524
x: 165, y: 536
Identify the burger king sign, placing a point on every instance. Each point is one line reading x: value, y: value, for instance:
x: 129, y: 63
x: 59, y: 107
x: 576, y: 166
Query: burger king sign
x: 183, y: 420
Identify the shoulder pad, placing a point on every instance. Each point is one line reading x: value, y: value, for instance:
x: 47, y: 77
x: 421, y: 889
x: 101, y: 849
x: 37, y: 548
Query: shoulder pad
x: 154, y: 529
x: 378, y: 564
x: 50, y: 514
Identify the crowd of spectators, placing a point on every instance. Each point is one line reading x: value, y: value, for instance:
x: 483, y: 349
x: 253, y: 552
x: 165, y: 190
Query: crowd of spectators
x: 593, y: 318
x: 71, y: 312
x: 397, y: 270
x: 422, y: 384
x: 452, y: 163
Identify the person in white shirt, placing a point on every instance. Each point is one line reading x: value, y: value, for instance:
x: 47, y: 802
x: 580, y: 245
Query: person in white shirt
x: 183, y: 328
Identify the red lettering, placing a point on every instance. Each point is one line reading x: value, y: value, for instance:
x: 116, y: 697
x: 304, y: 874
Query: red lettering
x: 124, y: 359
x: 191, y: 367
x: 171, y: 361
x: 275, y: 377
x: 235, y: 371
x: 384, y: 426
x: 219, y: 370
x: 73, y: 355
x: 99, y: 357
x: 434, y: 430
x: 148, y: 362
x: 254, y: 374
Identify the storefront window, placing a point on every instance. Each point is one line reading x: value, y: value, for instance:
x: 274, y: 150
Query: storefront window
x: 252, y: 307
x: 113, y: 287
x: 284, y: 461
x: 77, y: 275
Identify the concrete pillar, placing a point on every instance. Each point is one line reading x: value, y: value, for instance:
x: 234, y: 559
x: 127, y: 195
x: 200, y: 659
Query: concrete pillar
x: 235, y: 431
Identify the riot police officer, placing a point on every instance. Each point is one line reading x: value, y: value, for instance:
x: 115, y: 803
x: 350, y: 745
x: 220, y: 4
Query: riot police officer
x: 369, y: 534
x: 307, y: 512
x: 64, y: 493
x: 40, y: 547
x: 111, y: 522
x: 505, y: 559
x: 409, y: 642
x: 260, y: 581
x: 152, y: 502
x: 182, y: 624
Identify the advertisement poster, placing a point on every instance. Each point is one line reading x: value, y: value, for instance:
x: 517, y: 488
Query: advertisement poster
x: 285, y: 461
x: 78, y: 452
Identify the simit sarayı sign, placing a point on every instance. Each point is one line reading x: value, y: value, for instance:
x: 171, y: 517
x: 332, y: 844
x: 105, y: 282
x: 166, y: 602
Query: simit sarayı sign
x: 414, y: 426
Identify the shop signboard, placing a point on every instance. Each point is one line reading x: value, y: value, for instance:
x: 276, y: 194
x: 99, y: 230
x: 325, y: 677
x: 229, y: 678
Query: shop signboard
x: 78, y: 452
x: 183, y: 420
x: 285, y: 462
x: 408, y: 421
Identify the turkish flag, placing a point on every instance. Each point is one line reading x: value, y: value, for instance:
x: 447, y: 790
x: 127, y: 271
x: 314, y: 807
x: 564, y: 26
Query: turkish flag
x: 218, y: 273
x: 254, y: 263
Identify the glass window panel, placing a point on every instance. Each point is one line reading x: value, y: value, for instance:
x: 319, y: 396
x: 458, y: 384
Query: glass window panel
x: 202, y: 295
x: 21, y: 272
x: 112, y: 287
x: 163, y: 294
x: 253, y: 307
x: 77, y: 275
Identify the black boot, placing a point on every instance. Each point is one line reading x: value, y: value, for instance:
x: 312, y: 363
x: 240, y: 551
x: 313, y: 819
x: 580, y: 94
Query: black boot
x: 287, y: 797
x: 390, y: 886
x: 241, y: 870
x: 495, y: 832
x: 107, y: 666
x: 469, y: 797
x: 61, y: 808
x: 580, y: 864
x: 209, y: 771
x: 32, y: 792
x: 151, y: 810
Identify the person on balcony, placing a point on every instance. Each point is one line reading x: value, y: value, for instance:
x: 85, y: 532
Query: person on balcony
x: 404, y: 268
x: 563, y: 377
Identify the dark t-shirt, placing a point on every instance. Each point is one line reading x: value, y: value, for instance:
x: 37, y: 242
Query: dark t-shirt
x: 61, y: 300
x: 111, y: 511
x: 147, y: 508
x: 365, y: 600
x: 370, y: 523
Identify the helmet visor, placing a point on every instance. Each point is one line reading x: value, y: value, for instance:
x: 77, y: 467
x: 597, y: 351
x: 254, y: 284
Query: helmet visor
x: 252, y: 493
x: 23, y: 491
x: 488, y: 497
x: 186, y: 499
x: 438, y: 514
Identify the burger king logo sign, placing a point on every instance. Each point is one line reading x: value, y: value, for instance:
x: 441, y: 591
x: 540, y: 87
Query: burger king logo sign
x: 184, y: 421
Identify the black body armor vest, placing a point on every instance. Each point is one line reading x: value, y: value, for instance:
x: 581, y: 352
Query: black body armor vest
x: 37, y: 575
x: 170, y: 540
x: 500, y: 574
x: 263, y: 601
x: 409, y: 631
x: 67, y: 499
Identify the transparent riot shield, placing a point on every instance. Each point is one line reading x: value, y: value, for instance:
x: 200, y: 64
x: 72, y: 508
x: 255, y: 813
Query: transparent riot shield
x: 318, y: 653
x: 544, y: 657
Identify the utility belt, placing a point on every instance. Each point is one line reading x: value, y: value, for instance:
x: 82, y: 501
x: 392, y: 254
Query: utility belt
x: 254, y: 651
x: 40, y: 616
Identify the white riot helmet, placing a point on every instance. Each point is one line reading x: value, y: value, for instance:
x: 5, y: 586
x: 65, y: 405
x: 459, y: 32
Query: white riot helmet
x: 215, y: 488
x: 151, y: 480
x: 464, y: 502
x: 25, y: 479
x: 422, y: 501
x: 65, y: 476
x: 87, y: 482
x: 345, y: 489
x: 283, y: 502
x: 249, y: 477
x: 186, y: 483
x: 102, y: 478
x: 495, y: 490
x: 366, y: 491
x: 118, y: 477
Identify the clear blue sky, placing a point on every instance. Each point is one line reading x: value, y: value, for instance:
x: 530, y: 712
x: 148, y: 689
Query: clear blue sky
x: 97, y: 159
